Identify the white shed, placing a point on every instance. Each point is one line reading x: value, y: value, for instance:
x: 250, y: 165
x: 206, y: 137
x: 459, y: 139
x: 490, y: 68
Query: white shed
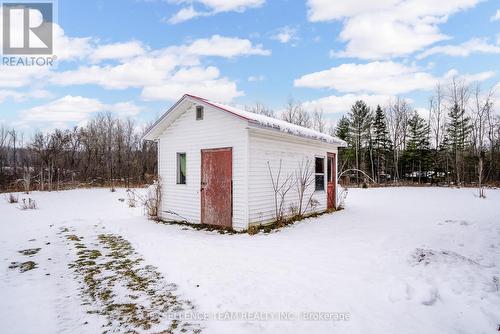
x: 215, y: 164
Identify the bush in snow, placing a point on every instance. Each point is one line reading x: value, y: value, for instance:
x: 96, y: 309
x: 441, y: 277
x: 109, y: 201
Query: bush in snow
x: 313, y: 203
x: 12, y: 199
x: 342, y: 195
x: 152, y: 203
x: 131, y: 199
x: 28, y: 204
x: 252, y: 230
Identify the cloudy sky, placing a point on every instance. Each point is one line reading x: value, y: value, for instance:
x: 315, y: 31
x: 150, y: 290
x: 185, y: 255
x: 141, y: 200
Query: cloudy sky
x: 136, y: 57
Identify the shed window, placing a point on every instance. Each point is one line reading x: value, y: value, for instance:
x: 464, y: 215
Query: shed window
x: 319, y: 172
x: 181, y: 168
x: 199, y: 113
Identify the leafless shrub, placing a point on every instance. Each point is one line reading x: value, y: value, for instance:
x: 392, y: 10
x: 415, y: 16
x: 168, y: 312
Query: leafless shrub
x: 281, y: 186
x: 341, y: 198
x: 294, y: 210
x: 131, y: 199
x: 304, y: 178
x: 314, y: 203
x: 26, y: 180
x: 12, y: 199
x: 28, y: 204
x: 152, y: 204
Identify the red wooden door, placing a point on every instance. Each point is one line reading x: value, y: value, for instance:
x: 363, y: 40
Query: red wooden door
x: 331, y: 173
x: 216, y: 187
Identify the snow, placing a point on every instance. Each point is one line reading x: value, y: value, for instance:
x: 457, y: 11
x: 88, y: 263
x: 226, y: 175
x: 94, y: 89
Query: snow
x: 396, y: 260
x: 277, y: 124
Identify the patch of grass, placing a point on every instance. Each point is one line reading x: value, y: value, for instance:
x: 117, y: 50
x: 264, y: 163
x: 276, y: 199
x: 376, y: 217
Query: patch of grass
x: 278, y: 225
x: 23, y: 266
x: 73, y: 237
x: 30, y: 252
x: 201, y: 227
x: 147, y: 299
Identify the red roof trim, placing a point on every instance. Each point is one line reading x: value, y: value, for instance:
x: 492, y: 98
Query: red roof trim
x: 216, y: 106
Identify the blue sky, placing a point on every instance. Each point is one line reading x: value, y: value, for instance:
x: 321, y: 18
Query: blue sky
x: 136, y: 57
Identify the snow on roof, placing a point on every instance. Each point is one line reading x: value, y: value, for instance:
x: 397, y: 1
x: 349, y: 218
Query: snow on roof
x: 270, y: 122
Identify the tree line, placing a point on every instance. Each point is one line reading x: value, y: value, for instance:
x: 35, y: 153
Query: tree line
x: 107, y: 151
x: 456, y: 140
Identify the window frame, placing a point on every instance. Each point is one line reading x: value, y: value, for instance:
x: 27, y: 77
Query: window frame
x: 202, y: 113
x: 316, y: 174
x: 178, y: 168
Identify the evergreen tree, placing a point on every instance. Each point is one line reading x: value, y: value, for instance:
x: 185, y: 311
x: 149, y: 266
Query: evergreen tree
x: 381, y: 142
x: 342, y: 129
x: 418, y: 147
x: 359, y: 126
x: 457, y: 133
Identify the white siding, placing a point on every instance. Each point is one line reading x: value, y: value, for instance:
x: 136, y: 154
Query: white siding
x: 217, y: 129
x: 264, y: 147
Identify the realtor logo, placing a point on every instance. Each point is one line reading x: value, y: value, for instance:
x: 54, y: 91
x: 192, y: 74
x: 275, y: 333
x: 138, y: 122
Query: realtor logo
x: 27, y: 28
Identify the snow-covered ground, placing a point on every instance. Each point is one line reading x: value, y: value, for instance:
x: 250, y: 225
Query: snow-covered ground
x: 396, y: 260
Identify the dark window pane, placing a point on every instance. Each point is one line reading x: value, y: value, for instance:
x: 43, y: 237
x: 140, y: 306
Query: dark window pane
x: 320, y: 182
x: 329, y: 170
x: 320, y: 165
x: 199, y: 113
x: 181, y: 168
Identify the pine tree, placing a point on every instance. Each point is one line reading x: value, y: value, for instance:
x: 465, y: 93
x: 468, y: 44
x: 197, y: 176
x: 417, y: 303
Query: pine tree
x: 342, y: 128
x: 457, y: 134
x: 418, y: 146
x: 359, y: 126
x: 381, y: 141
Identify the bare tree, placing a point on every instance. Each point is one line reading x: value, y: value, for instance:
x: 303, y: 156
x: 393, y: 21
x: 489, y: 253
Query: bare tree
x: 483, y: 106
x: 4, y: 134
x: 437, y: 115
x: 397, y: 120
x: 261, y: 109
x: 295, y: 113
x: 319, y: 122
x: 459, y: 94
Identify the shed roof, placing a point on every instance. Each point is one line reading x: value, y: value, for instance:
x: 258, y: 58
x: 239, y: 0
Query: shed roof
x: 255, y: 119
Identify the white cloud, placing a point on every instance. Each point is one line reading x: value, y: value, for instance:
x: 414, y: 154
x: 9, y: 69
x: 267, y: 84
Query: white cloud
x: 285, y: 34
x: 496, y: 17
x: 73, y: 109
x: 475, y: 45
x: 204, y: 82
x: 21, y: 96
x: 255, y: 78
x: 477, y: 77
x: 227, y: 47
x: 343, y: 103
x: 118, y: 51
x: 213, y: 7
x: 66, y: 109
x: 168, y: 73
x: 128, y: 108
x: 385, y: 78
x: 19, y: 76
x: 70, y: 48
x: 386, y: 28
x: 186, y: 14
